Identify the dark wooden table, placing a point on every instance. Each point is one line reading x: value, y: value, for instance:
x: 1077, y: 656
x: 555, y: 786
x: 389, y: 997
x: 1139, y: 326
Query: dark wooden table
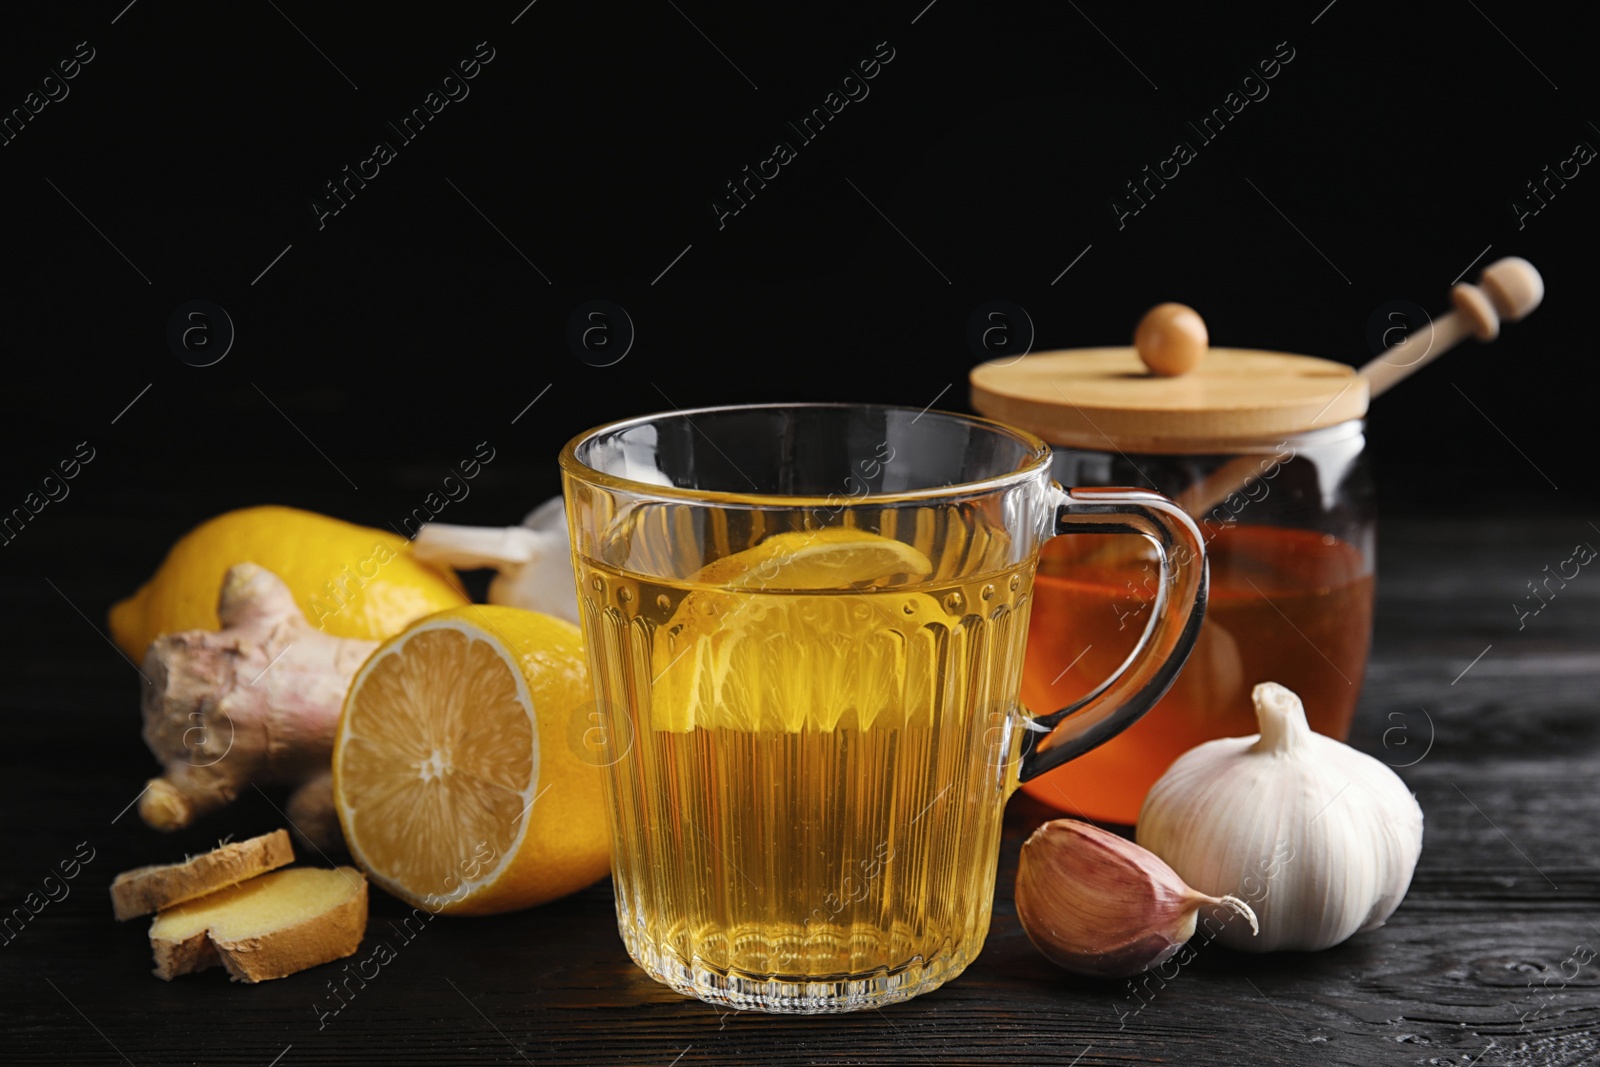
x: 1490, y: 960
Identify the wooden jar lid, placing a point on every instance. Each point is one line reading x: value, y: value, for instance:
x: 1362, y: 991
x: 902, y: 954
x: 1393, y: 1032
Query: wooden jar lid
x: 1108, y: 399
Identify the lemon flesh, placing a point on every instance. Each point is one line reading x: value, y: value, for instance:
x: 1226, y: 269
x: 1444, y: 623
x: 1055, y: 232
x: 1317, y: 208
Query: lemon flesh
x: 453, y: 781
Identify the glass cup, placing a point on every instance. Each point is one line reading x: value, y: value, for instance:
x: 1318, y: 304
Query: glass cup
x: 805, y: 626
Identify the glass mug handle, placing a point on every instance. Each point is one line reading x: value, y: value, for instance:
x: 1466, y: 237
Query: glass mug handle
x: 1148, y: 672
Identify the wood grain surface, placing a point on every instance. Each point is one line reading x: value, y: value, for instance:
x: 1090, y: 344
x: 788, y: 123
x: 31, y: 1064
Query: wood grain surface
x: 1490, y: 959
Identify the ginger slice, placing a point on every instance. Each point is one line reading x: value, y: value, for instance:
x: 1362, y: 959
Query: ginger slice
x: 147, y: 889
x: 268, y: 927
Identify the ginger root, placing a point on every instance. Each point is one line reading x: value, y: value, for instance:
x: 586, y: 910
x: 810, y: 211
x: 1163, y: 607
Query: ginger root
x: 256, y: 704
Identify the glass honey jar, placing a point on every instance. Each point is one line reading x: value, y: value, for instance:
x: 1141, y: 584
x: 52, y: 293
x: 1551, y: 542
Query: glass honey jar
x: 1266, y: 452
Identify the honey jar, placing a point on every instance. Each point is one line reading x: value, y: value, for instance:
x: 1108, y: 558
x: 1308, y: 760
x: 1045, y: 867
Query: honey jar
x: 1266, y: 451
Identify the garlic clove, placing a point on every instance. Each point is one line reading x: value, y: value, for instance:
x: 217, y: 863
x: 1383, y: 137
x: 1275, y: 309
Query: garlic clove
x: 1098, y: 904
x: 1320, y: 839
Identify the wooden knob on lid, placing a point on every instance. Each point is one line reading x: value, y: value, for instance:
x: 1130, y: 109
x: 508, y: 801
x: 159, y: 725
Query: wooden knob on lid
x: 1171, y: 339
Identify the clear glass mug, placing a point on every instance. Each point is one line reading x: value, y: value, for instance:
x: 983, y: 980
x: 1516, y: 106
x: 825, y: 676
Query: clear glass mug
x: 805, y: 627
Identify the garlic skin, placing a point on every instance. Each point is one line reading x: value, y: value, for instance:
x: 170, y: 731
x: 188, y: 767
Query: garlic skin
x: 534, y: 559
x: 1321, y: 839
x: 1097, y: 904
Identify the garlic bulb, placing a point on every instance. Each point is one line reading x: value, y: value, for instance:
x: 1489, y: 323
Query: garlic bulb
x: 1098, y: 904
x: 534, y: 559
x: 1319, y: 838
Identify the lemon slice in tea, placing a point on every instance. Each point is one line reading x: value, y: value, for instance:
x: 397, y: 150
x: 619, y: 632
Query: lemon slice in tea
x: 837, y: 557
x: 796, y: 633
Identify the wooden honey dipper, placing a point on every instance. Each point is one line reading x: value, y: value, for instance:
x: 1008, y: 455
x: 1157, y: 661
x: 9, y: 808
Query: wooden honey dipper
x: 1171, y: 340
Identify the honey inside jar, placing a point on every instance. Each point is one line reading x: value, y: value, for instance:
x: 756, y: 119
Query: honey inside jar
x: 1290, y: 605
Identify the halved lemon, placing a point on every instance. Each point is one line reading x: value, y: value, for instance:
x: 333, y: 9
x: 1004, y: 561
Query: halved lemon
x: 454, y: 785
x: 807, y: 630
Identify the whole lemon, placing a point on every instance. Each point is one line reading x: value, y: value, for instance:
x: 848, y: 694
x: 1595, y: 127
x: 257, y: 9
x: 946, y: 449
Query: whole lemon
x: 351, y: 581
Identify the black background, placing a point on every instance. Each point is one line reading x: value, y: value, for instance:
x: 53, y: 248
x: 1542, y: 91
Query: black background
x: 407, y: 329
x: 378, y: 351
